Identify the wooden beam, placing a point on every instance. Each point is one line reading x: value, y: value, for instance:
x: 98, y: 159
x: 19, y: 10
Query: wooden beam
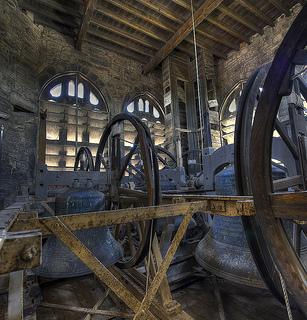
x: 172, y: 16
x: 183, y: 4
x: 217, y: 23
x: 142, y: 15
x: 170, y: 28
x: 257, y: 12
x: 89, y: 6
x: 232, y: 14
x: 226, y: 43
x: 166, y: 26
x: 280, y: 6
x: 201, y: 13
x: 119, y: 40
x: 134, y: 25
x: 228, y: 28
x: 96, y: 42
x: 160, y: 9
x: 139, y: 27
x: 131, y: 36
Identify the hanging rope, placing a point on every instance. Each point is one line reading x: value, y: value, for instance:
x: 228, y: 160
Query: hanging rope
x: 198, y: 82
x: 284, y: 289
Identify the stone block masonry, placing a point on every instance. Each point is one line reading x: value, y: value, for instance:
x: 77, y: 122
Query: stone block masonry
x: 240, y: 64
x: 30, y: 55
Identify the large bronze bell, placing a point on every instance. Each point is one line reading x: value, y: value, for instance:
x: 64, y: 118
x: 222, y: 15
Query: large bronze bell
x: 224, y: 250
x: 58, y: 260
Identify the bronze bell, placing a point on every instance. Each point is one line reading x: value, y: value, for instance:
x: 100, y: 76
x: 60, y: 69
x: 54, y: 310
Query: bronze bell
x: 224, y: 250
x: 58, y: 260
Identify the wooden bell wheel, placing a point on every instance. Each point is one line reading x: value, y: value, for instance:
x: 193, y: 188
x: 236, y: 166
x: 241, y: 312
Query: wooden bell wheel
x: 244, y: 120
x: 289, y: 65
x: 84, y: 160
x: 134, y: 237
x: 166, y: 158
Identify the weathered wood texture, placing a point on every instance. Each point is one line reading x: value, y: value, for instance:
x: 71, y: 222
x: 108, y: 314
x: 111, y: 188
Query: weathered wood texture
x: 136, y: 26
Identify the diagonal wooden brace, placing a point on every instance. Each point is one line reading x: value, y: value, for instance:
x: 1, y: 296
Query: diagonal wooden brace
x: 63, y: 233
x: 142, y: 313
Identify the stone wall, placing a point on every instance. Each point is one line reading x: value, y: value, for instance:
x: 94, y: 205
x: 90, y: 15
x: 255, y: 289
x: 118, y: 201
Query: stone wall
x: 240, y: 64
x: 30, y: 55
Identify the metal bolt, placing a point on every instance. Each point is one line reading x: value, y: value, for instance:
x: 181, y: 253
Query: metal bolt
x: 29, y: 253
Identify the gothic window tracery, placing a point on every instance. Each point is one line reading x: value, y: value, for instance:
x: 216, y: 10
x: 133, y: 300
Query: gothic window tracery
x: 77, y: 114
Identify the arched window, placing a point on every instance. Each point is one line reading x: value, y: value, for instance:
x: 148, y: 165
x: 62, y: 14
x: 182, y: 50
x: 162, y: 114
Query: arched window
x: 77, y: 114
x: 147, y: 108
x: 229, y: 111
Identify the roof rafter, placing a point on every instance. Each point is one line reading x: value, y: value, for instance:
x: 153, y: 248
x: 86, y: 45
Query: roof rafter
x: 257, y: 12
x: 166, y: 26
x: 89, y: 7
x: 140, y: 28
x: 170, y: 15
x: 96, y: 41
x: 200, y: 14
x: 119, y: 40
x: 232, y: 14
x: 103, y: 24
x: 280, y: 6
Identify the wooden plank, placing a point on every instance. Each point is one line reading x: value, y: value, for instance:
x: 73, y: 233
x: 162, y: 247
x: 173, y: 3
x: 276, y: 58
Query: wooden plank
x: 228, y: 28
x: 20, y: 250
x: 112, y: 313
x: 290, y: 204
x: 140, y: 28
x: 286, y: 183
x: 162, y: 10
x: 88, y: 12
x: 134, y: 37
x: 98, y: 303
x: 123, y: 42
x: 225, y: 206
x: 131, y: 24
x: 227, y: 43
x: 63, y: 233
x: 235, y: 16
x: 15, y: 298
x: 96, y: 42
x: 201, y: 13
x: 166, y: 26
x: 257, y: 12
x: 142, y: 15
x: 172, y: 16
x: 161, y: 272
x: 280, y: 6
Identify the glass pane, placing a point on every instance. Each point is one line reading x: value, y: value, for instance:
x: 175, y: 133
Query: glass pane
x: 56, y: 91
x: 156, y: 113
x: 93, y: 99
x: 233, y: 106
x: 146, y: 106
x: 80, y: 90
x: 130, y: 107
x: 141, y: 105
x: 71, y: 88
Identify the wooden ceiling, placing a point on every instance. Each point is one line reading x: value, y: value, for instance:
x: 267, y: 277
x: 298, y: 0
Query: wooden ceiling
x: 149, y: 30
